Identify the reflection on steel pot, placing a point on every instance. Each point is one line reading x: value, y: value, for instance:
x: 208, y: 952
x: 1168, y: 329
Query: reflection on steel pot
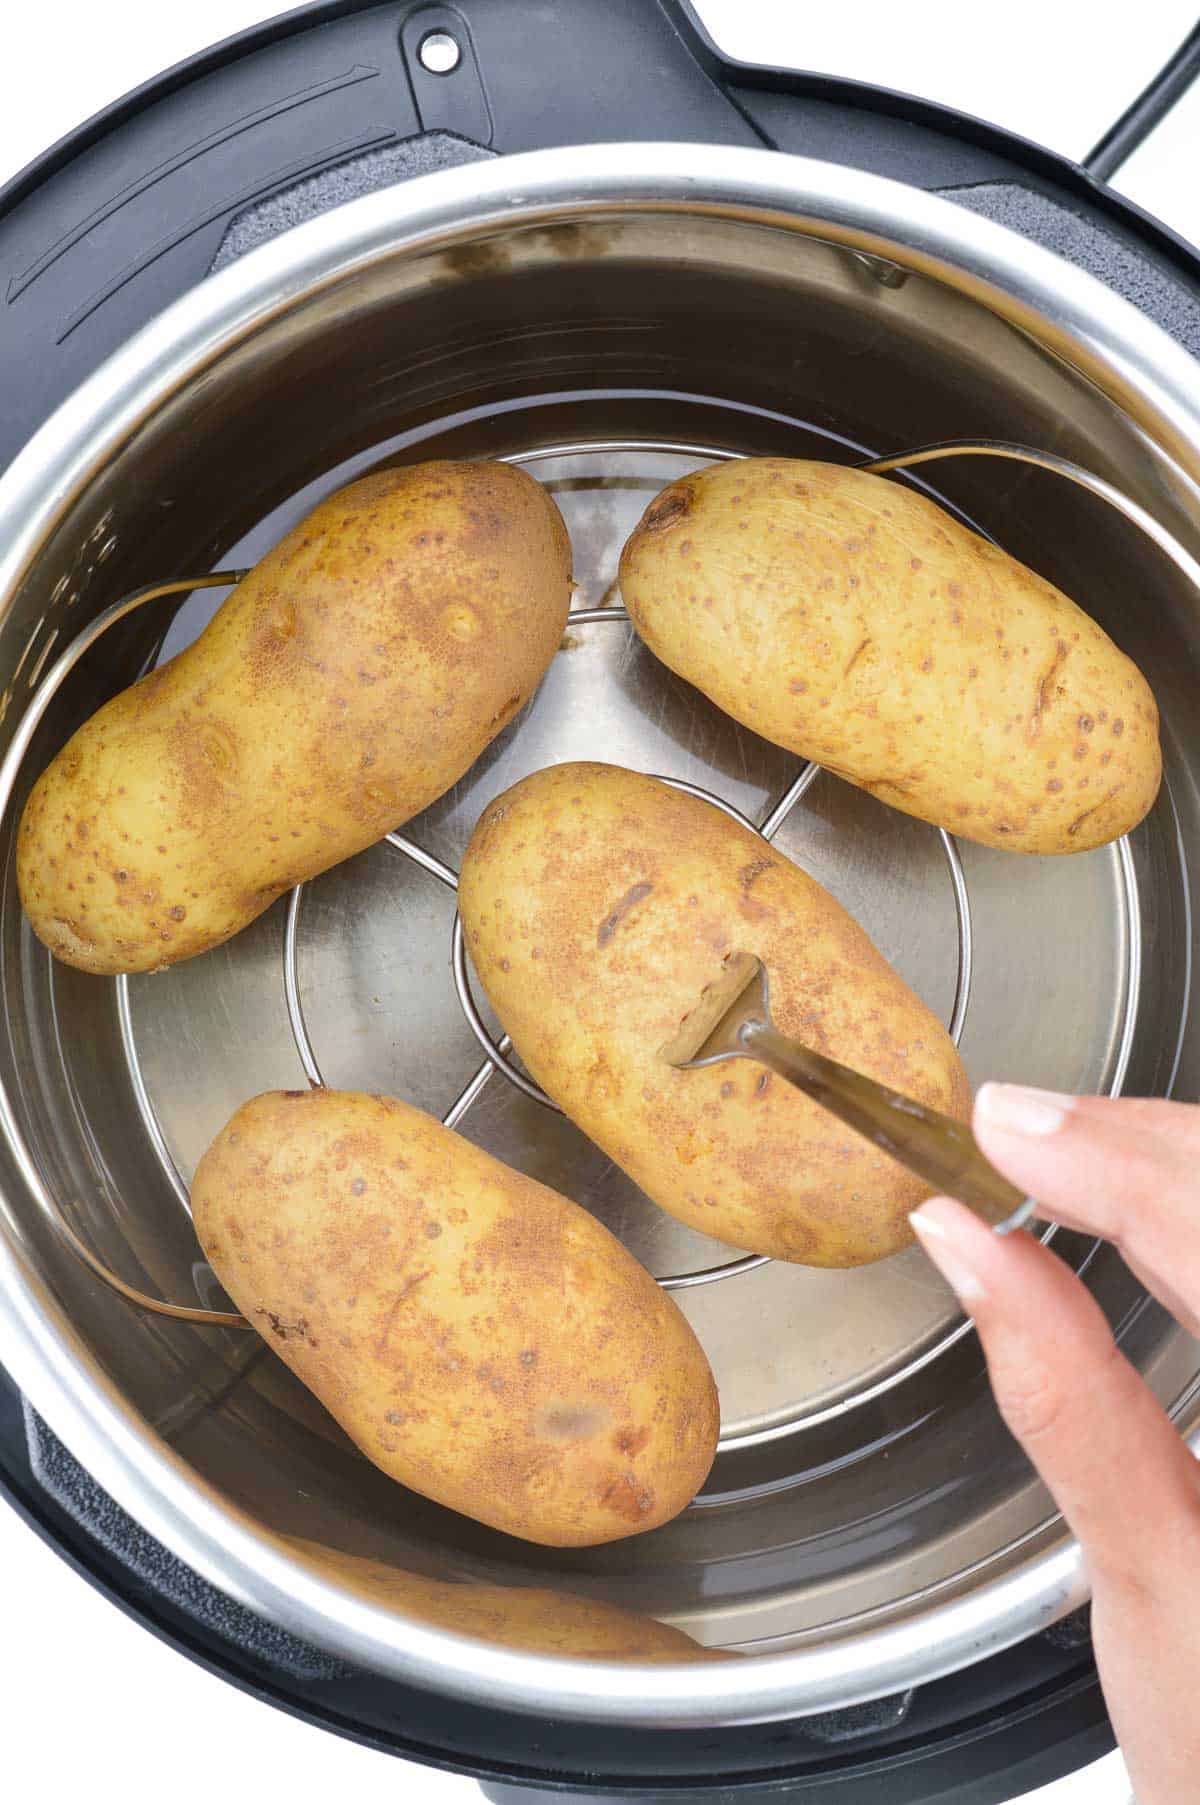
x: 614, y: 317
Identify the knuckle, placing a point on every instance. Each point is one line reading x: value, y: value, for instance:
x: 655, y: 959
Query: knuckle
x: 1033, y: 1402
x: 1050, y: 1394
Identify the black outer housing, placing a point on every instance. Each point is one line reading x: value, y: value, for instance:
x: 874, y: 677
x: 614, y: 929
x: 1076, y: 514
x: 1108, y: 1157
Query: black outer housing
x: 151, y: 177
x: 980, y: 1737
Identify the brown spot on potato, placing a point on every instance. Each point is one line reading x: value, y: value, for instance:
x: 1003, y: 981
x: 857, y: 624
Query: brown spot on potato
x: 280, y: 624
x: 667, y: 511
x: 1080, y: 819
x: 631, y: 1441
x: 287, y: 1331
x: 627, y: 1498
x: 405, y: 1292
x: 633, y: 896
x: 749, y: 874
x: 218, y: 746
x: 565, y: 1422
x: 506, y: 710
x: 1047, y: 689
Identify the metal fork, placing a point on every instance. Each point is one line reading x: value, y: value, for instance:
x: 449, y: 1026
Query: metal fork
x: 732, y: 1020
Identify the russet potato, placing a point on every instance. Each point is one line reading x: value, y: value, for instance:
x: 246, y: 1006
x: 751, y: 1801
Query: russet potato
x: 481, y: 1338
x: 539, y: 1620
x: 347, y: 682
x: 597, y: 905
x: 853, y: 621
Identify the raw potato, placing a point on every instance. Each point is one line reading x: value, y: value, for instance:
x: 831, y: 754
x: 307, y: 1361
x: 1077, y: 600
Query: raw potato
x: 346, y: 683
x: 851, y: 620
x: 482, y: 1340
x: 597, y: 905
x: 533, y: 1618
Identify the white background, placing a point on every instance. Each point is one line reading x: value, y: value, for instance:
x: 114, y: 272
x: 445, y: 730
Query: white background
x: 88, y: 1696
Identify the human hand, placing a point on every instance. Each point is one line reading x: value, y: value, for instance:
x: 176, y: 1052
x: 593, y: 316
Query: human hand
x: 1126, y: 1482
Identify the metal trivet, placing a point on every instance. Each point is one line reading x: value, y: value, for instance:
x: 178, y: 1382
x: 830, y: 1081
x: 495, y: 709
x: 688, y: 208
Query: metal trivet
x: 496, y: 1052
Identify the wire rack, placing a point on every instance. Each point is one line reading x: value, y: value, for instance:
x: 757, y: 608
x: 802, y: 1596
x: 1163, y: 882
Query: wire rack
x: 497, y: 1060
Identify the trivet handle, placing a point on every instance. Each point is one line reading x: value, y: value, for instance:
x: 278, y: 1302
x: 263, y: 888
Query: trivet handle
x: 10, y: 769
x: 1058, y: 466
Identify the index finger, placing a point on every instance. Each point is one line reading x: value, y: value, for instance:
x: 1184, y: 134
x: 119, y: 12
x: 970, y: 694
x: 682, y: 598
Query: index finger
x: 1125, y: 1169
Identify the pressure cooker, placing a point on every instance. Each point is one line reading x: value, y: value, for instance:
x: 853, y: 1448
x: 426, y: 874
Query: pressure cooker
x: 581, y: 240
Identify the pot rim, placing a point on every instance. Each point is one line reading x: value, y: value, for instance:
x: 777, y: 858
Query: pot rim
x: 1129, y: 357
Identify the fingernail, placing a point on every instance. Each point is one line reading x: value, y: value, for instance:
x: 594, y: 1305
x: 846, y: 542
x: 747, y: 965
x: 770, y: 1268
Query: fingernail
x: 939, y: 1229
x: 1018, y: 1109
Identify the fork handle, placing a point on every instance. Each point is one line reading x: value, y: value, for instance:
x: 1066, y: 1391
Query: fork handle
x: 941, y: 1150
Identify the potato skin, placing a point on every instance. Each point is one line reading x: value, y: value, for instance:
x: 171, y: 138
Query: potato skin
x: 536, y: 1619
x: 346, y: 683
x: 856, y: 623
x: 597, y: 904
x: 482, y: 1339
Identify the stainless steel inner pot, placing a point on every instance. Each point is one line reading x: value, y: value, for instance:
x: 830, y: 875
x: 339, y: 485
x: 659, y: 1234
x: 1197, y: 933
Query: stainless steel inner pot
x: 615, y: 316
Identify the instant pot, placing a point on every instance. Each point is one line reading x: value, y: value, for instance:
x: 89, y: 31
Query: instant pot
x: 577, y: 237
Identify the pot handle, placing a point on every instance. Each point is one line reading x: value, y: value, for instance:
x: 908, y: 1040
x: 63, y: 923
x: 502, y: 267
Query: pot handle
x: 383, y: 166
x: 486, y: 78
x: 293, y: 116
